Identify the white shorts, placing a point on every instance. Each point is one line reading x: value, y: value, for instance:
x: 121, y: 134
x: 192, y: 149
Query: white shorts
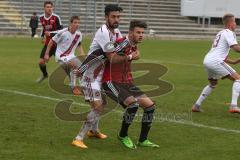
x: 218, y: 70
x: 91, y: 89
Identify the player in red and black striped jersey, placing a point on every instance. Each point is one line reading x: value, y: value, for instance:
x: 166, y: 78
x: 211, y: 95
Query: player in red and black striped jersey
x: 51, y: 23
x: 118, y: 85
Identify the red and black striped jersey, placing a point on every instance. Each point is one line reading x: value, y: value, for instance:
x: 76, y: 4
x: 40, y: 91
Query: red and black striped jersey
x: 120, y: 72
x: 50, y: 24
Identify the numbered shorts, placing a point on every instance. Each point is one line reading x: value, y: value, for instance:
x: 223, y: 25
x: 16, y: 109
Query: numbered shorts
x: 119, y: 92
x: 218, y: 70
x: 91, y: 89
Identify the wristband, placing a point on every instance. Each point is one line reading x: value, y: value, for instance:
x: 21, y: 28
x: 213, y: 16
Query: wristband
x: 130, y: 57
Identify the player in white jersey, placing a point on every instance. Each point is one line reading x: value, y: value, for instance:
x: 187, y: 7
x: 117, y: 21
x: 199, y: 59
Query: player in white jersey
x: 67, y: 40
x: 92, y: 69
x: 215, y: 63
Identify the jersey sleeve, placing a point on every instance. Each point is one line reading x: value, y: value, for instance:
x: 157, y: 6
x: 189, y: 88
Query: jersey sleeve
x: 230, y: 38
x: 119, y: 33
x: 80, y: 39
x: 103, y: 38
x: 43, y: 29
x: 58, y: 36
x: 58, y: 23
x: 53, y: 33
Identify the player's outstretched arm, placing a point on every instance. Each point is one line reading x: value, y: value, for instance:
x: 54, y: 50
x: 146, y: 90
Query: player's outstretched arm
x: 46, y: 55
x: 230, y: 61
x: 236, y: 48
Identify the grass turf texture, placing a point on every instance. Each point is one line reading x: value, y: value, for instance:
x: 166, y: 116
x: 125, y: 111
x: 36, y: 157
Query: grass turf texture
x: 30, y: 130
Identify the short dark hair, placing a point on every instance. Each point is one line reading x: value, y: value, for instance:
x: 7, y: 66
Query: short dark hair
x: 111, y: 8
x: 34, y: 13
x: 74, y: 18
x: 137, y: 23
x: 226, y: 18
x: 48, y: 2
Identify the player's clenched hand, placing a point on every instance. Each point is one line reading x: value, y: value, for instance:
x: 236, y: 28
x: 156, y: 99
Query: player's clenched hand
x: 135, y: 55
x: 46, y: 57
x: 47, y: 34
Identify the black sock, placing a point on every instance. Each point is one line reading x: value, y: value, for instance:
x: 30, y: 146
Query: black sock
x: 146, y: 122
x: 43, y: 68
x: 128, y: 117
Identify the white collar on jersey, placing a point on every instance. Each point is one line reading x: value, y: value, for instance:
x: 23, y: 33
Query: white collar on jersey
x: 47, y: 18
x: 68, y: 29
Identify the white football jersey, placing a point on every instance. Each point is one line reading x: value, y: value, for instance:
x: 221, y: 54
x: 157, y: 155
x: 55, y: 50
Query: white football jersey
x: 94, y: 62
x: 66, y: 44
x: 102, y: 37
x: 221, y: 45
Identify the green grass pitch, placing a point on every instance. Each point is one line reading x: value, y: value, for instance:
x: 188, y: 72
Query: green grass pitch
x: 29, y: 129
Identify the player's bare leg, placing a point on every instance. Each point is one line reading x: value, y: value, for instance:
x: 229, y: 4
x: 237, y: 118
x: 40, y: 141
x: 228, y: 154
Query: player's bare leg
x: 70, y: 69
x: 148, y: 110
x: 206, y: 91
x: 43, y: 68
x: 74, y: 76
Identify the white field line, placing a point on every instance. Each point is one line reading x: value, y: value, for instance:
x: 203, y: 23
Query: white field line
x: 39, y: 96
x: 189, y: 123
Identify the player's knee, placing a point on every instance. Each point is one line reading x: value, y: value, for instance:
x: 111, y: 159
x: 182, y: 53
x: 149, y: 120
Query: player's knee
x: 97, y: 105
x: 130, y: 100
x: 99, y: 109
x: 213, y: 83
x: 145, y: 101
x: 148, y: 105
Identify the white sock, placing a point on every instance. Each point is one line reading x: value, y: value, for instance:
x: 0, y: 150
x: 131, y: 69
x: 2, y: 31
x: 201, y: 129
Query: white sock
x: 206, y: 91
x: 87, y: 125
x: 73, y: 78
x: 235, y: 93
x: 95, y: 126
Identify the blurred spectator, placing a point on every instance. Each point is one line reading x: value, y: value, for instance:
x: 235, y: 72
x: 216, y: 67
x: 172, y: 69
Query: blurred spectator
x: 33, y: 23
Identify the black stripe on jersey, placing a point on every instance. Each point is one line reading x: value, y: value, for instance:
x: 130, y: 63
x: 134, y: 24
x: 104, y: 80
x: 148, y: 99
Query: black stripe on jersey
x: 97, y: 55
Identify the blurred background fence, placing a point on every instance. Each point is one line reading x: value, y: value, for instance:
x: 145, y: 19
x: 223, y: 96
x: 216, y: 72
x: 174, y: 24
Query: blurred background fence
x: 163, y: 17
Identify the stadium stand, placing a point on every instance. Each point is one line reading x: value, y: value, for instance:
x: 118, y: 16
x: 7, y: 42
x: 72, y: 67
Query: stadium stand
x: 162, y: 16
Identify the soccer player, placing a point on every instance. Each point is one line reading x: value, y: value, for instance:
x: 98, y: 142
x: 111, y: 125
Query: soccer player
x: 50, y: 22
x: 215, y: 63
x: 92, y: 70
x: 67, y: 40
x: 118, y: 85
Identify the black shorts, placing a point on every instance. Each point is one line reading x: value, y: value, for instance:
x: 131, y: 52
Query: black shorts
x: 51, y: 53
x: 119, y: 92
